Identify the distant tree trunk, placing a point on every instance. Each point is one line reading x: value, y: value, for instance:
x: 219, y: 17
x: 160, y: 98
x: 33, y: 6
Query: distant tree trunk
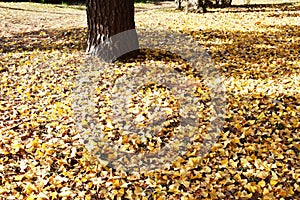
x: 178, y: 4
x: 226, y: 3
x: 111, y: 28
x: 202, y: 4
x: 196, y: 5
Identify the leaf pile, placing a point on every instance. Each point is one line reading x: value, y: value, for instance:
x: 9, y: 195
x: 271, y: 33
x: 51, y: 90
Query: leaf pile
x: 257, y: 154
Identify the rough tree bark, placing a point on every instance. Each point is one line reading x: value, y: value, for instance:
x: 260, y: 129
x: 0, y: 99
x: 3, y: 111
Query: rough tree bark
x: 111, y: 28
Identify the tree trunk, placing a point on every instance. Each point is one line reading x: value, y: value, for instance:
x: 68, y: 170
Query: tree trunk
x: 202, y: 4
x: 178, y: 4
x: 111, y: 28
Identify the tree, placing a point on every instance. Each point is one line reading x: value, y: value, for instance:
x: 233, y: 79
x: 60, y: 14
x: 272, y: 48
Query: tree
x: 192, y: 4
x: 111, y: 28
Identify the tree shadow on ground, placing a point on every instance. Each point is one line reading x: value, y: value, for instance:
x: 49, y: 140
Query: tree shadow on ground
x: 253, y: 54
x: 49, y: 39
x: 272, y: 53
x: 38, y: 11
x: 248, y: 8
x: 260, y: 8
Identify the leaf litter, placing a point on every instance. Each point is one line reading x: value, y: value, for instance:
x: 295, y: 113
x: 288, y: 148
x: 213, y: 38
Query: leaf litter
x: 257, y: 154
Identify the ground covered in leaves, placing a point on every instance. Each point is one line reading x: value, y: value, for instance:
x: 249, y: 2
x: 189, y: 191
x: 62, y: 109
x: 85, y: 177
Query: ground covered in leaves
x: 257, y: 156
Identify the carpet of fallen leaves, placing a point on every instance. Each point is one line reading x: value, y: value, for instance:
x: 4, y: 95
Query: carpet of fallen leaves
x: 257, y: 155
